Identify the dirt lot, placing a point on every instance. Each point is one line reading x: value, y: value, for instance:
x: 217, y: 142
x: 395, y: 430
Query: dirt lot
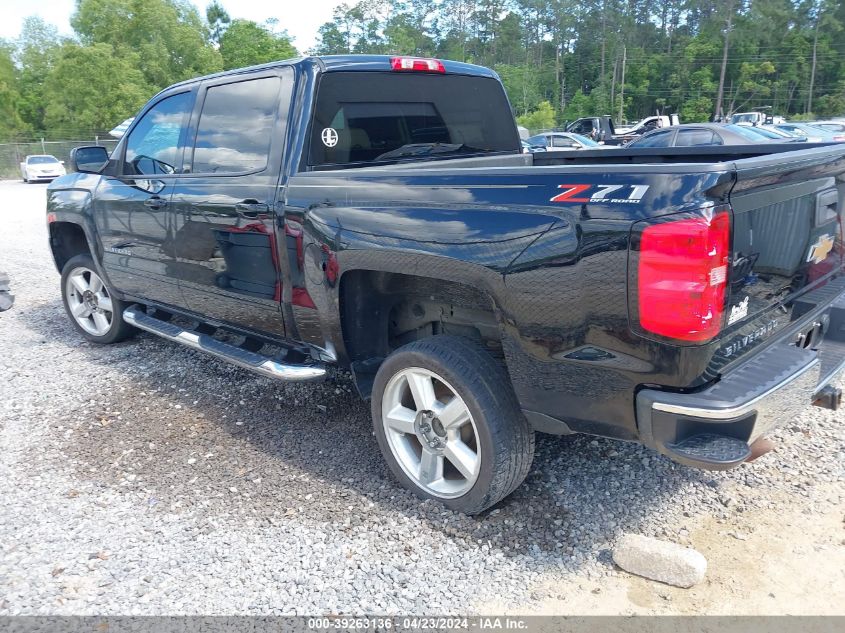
x: 143, y: 478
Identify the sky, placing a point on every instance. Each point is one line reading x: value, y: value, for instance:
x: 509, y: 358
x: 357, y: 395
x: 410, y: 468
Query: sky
x: 301, y: 19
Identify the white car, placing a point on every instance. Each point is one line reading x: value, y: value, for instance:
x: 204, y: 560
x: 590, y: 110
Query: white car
x: 562, y: 141
x: 41, y: 167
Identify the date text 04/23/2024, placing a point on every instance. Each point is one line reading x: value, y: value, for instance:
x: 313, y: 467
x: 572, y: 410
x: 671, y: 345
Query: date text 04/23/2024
x: 426, y: 623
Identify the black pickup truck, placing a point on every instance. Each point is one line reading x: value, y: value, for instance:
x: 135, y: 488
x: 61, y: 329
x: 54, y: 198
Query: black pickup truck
x: 376, y: 214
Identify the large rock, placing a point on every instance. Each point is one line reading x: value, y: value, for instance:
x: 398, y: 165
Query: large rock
x: 658, y: 560
x: 6, y: 298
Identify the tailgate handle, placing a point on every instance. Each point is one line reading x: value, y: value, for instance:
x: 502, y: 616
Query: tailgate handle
x: 827, y: 205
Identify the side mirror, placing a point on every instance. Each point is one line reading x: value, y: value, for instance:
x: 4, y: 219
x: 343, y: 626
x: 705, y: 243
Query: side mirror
x: 88, y: 160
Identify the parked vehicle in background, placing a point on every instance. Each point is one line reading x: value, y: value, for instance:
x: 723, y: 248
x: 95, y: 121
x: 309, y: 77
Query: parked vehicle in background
x: 595, y: 128
x: 648, y: 124
x: 698, y: 134
x: 830, y: 126
x: 772, y: 133
x: 812, y: 133
x: 41, y: 167
x: 787, y: 136
x: 601, y: 129
x: 377, y: 214
x: 563, y: 141
x: 755, y: 118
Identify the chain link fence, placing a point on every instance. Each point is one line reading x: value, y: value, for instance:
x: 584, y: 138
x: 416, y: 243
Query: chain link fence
x: 12, y: 154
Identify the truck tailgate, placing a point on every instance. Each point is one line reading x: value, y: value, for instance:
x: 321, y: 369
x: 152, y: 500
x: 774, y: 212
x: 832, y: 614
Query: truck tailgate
x: 787, y: 233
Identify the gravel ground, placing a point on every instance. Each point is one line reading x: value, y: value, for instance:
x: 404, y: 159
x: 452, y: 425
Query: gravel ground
x: 143, y: 478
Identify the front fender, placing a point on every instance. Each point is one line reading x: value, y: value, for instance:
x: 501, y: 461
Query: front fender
x: 70, y: 199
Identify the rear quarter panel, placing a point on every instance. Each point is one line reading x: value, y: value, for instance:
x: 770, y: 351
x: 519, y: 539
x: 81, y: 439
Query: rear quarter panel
x: 555, y: 270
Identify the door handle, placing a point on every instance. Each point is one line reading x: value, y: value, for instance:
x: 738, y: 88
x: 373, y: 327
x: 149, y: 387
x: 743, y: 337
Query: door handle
x: 155, y: 202
x: 251, y: 208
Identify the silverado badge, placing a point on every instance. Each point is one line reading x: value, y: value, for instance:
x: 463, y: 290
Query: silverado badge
x: 821, y: 249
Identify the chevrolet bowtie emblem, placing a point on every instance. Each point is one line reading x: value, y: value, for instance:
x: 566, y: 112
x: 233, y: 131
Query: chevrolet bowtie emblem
x: 821, y: 249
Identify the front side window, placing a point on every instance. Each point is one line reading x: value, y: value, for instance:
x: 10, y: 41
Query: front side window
x: 153, y: 145
x: 236, y: 126
x: 367, y: 117
x: 583, y: 127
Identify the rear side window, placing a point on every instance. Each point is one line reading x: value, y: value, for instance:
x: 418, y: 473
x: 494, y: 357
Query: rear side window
x: 363, y: 117
x: 691, y: 138
x: 236, y: 126
x: 153, y: 145
x: 658, y: 139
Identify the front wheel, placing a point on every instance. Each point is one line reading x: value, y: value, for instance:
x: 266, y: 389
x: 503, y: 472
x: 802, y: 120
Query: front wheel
x: 448, y: 423
x: 92, y: 308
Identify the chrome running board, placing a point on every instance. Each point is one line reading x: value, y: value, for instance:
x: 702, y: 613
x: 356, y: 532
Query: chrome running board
x: 137, y: 317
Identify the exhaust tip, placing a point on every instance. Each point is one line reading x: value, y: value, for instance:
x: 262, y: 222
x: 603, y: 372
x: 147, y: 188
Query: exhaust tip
x: 829, y: 397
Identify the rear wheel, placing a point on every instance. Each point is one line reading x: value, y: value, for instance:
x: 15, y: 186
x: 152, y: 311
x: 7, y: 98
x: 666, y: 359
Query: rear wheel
x: 449, y: 425
x: 92, y: 308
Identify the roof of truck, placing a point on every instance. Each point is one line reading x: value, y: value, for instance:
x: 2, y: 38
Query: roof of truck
x: 345, y: 63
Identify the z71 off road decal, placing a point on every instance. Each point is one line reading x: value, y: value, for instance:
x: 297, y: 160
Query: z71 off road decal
x: 601, y: 193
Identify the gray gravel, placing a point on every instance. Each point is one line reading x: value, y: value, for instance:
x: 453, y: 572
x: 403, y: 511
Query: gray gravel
x: 144, y: 478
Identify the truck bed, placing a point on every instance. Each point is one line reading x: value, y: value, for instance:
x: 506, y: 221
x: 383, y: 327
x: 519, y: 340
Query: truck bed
x: 559, y: 266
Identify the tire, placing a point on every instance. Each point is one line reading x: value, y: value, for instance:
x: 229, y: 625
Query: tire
x: 92, y: 308
x: 482, y: 448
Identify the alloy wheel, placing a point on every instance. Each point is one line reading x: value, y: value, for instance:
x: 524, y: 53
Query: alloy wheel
x: 89, y: 301
x: 431, y: 433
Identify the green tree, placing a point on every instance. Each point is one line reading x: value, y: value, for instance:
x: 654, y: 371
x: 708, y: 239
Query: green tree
x: 247, y: 43
x: 591, y: 57
x: 696, y: 110
x: 37, y: 50
x: 93, y: 88
x: 218, y: 20
x: 522, y: 86
x: 579, y: 105
x: 169, y: 36
x: 10, y: 122
x: 543, y: 118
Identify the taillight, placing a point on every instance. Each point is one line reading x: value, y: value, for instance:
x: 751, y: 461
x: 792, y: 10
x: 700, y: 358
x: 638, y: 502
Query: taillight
x: 682, y: 277
x: 418, y: 64
x: 840, y: 138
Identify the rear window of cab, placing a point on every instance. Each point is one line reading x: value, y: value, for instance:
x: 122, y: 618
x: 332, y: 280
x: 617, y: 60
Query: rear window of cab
x: 381, y: 117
